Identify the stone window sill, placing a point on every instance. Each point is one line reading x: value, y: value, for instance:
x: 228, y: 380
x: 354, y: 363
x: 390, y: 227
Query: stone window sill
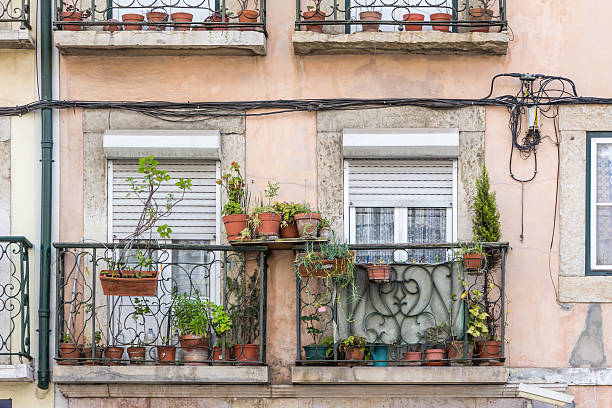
x: 400, y: 42
x: 16, y: 39
x: 399, y: 375
x: 70, y: 374
x: 165, y: 43
x: 16, y: 373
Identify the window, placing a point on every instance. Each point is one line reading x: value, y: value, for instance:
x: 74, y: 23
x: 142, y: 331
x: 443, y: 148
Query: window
x: 599, y: 203
x: 400, y: 201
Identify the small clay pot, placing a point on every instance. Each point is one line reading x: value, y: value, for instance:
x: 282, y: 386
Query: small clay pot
x: 289, y: 231
x: 234, y: 224
x: 69, y: 350
x: 435, y: 354
x: 248, y: 16
x: 314, y: 15
x: 370, y: 16
x: 72, y: 16
x: 166, y: 355
x: 307, y: 224
x: 413, y: 358
x: 112, y: 27
x: 269, y: 224
x: 216, y: 18
x: 354, y: 353
x: 182, y: 17
x: 113, y: 355
x: 456, y: 351
x: 379, y: 273
x: 246, y: 352
x: 414, y: 17
x: 325, y: 233
x: 489, y: 349
x: 441, y: 17
x: 87, y: 355
x: 218, y: 354
x: 473, y: 261
x: 191, y: 340
x: 481, y: 14
x: 136, y: 354
x: 157, y: 17
x: 196, y: 356
x: 132, y: 18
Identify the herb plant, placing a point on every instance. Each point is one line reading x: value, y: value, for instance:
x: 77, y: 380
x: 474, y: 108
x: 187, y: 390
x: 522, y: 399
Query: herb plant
x: 237, y: 191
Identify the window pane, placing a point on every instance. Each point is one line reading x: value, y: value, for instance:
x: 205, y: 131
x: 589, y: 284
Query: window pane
x: 191, y: 270
x: 604, y: 173
x: 374, y: 226
x: 604, y: 235
x: 426, y: 225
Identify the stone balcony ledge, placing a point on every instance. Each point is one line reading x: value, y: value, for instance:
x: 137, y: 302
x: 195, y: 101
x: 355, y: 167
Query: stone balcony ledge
x: 16, y: 373
x: 400, y: 42
x: 399, y: 375
x: 163, y: 43
x: 72, y: 374
x: 16, y: 39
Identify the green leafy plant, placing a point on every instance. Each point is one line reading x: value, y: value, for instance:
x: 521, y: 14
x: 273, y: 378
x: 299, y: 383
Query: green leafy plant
x: 287, y: 211
x: 358, y: 342
x: 220, y: 320
x: 66, y: 338
x: 477, y: 318
x: 237, y: 191
x: 311, y: 322
x: 436, y: 336
x: 191, y: 314
x: 324, y: 223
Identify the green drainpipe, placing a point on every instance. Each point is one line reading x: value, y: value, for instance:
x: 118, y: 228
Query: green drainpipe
x: 46, y: 55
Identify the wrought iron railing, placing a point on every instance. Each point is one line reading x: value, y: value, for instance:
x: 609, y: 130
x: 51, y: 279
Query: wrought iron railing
x: 14, y: 299
x: 161, y: 15
x: 444, y: 305
x: 93, y: 328
x: 348, y: 16
x: 15, y: 11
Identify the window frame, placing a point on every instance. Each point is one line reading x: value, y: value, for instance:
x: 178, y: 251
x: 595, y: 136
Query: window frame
x: 593, y: 139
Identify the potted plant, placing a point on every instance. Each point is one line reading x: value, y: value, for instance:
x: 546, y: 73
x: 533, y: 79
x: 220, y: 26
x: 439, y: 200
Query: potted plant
x: 221, y: 323
x: 112, y: 25
x: 488, y: 346
x: 442, y: 17
x: 123, y: 279
x: 243, y: 308
x: 287, y: 211
x: 435, y: 340
x: 73, y: 14
x: 314, y: 13
x: 332, y: 259
x: 354, y: 348
x: 307, y: 223
x: 166, y: 353
x: 69, y: 349
x: 472, y: 256
x: 315, y: 351
x: 132, y: 18
x: 248, y: 15
x: 113, y: 355
x: 413, y: 356
x: 325, y: 231
x: 265, y: 219
x: 90, y: 357
x: 379, y: 271
x: 414, y: 17
x: 235, y: 217
x: 157, y: 17
x: 371, y: 14
x: 182, y: 17
x: 216, y: 17
x: 191, y: 318
x: 481, y: 14
x: 136, y: 353
x: 485, y: 220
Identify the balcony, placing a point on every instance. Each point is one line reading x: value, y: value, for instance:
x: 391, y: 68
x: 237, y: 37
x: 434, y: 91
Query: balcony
x: 436, y: 27
x: 178, y: 27
x: 15, y: 316
x: 152, y: 338
x: 417, y: 308
x: 15, y: 25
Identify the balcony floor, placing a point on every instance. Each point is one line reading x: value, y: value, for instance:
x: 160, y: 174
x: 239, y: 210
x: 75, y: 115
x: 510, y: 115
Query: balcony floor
x: 16, y: 39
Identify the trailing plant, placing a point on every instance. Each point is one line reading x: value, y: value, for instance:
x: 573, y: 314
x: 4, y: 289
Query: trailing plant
x: 191, y: 314
x: 477, y: 318
x: 288, y: 210
x: 237, y: 191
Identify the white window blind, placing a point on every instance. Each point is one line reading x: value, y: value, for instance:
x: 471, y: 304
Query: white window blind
x: 194, y: 218
x: 400, y: 183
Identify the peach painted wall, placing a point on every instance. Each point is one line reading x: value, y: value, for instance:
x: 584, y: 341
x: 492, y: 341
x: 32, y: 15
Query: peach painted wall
x: 551, y: 37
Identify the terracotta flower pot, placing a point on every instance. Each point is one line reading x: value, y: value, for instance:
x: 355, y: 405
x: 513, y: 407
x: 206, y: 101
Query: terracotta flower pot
x: 234, y: 224
x: 307, y: 224
x: 354, y: 353
x: 473, y: 261
x: 69, y: 350
x: 73, y: 16
x: 414, y: 17
x: 441, y: 17
x: 413, y: 358
x: 132, y: 18
x: 325, y: 268
x: 381, y: 273
x: 87, y: 355
x: 289, y: 231
x: 130, y: 283
x: 325, y: 233
x: 196, y: 356
x: 136, y: 354
x: 370, y: 16
x: 218, y: 354
x: 435, y: 354
x: 314, y: 15
x: 456, y: 351
x: 166, y: 355
x: 248, y: 16
x: 113, y: 355
x: 481, y: 14
x: 112, y: 27
x: 489, y: 349
x: 269, y: 224
x: 182, y: 17
x: 246, y: 352
x: 191, y: 340
x: 216, y: 18
x: 157, y: 17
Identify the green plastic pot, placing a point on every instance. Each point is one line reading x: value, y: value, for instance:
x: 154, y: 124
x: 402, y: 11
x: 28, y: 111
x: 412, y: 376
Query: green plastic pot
x: 316, y: 352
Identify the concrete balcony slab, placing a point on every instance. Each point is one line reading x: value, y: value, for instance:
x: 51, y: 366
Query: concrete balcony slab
x: 16, y: 39
x: 400, y: 42
x: 162, y: 43
x: 16, y: 373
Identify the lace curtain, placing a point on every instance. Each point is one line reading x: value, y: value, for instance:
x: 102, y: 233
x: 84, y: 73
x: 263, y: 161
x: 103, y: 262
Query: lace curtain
x: 603, y: 211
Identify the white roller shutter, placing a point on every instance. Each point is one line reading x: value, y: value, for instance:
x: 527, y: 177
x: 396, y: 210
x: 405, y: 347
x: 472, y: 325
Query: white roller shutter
x: 194, y: 218
x: 400, y: 183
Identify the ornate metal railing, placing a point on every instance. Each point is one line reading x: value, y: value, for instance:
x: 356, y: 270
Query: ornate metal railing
x: 15, y: 11
x: 88, y: 320
x: 418, y: 307
x: 348, y: 16
x: 161, y: 15
x: 14, y: 299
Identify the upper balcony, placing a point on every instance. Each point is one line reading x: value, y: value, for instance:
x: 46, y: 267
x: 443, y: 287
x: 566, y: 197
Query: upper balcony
x: 169, y: 27
x: 15, y: 316
x: 434, y: 27
x: 15, y: 25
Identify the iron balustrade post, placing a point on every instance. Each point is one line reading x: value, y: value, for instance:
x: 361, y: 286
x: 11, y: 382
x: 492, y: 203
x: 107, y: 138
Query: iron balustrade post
x: 455, y: 28
x: 503, y: 302
x: 298, y: 14
x: 59, y: 299
x: 93, y: 300
x: 298, y: 317
x: 262, y: 291
x: 347, y: 15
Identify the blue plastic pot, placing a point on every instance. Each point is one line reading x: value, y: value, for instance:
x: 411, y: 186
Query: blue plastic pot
x: 316, y: 352
x: 380, y: 352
